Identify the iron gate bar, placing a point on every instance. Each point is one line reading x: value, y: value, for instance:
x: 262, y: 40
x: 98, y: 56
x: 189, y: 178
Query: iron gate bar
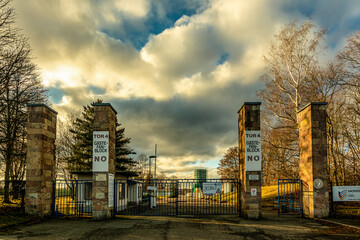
x: 71, y: 198
x: 176, y: 197
x: 290, y: 197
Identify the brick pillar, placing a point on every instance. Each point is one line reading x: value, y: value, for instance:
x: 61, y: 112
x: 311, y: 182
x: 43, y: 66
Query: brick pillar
x: 313, y: 160
x: 104, y: 120
x: 40, y: 159
x: 250, y: 159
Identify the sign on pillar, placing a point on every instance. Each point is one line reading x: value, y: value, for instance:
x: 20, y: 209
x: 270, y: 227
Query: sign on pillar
x: 104, y: 155
x: 100, y: 151
x: 253, y: 150
x: 250, y: 159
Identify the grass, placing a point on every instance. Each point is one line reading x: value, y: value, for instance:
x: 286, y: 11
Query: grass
x: 226, y: 197
x: 268, y: 194
x: 12, y: 213
x: 346, y: 209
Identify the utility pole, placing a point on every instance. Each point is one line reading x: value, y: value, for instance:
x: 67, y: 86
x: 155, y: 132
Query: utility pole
x: 150, y: 157
x: 153, y: 198
x: 155, y: 164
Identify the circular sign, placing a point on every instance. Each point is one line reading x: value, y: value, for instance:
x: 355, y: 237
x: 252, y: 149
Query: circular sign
x: 318, y: 183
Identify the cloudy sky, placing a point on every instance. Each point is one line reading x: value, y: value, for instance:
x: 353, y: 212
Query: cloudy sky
x: 177, y: 71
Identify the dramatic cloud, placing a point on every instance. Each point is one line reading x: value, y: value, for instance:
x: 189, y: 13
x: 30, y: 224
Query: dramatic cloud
x: 176, y: 71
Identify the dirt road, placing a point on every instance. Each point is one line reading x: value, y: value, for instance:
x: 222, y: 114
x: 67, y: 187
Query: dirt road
x: 218, y: 228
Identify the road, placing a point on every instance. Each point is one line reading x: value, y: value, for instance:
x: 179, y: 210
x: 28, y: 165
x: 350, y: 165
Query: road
x: 168, y: 228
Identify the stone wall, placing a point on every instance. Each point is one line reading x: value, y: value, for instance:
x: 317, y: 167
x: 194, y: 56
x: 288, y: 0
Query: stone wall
x: 249, y: 119
x: 40, y: 159
x: 104, y: 120
x: 313, y: 160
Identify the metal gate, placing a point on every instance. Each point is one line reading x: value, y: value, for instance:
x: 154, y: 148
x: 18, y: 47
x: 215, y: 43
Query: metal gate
x: 290, y: 197
x: 172, y: 197
x: 72, y: 198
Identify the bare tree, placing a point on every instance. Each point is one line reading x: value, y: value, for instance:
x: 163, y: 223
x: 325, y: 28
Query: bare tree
x: 291, y: 62
x: 19, y: 85
x: 350, y: 57
x: 229, y: 164
x: 64, y: 143
x: 142, y: 166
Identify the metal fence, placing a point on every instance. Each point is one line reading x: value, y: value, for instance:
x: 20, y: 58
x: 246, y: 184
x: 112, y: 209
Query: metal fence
x: 290, y: 197
x: 172, y: 197
x: 72, y: 198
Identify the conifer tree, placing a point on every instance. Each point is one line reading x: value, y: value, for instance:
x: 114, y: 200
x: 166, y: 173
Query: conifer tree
x: 82, y: 130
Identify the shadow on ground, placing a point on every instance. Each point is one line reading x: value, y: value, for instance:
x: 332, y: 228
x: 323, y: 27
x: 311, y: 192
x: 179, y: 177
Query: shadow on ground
x: 214, y: 227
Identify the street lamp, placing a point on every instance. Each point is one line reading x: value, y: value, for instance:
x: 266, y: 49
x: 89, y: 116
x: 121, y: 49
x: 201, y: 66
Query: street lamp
x: 150, y: 157
x: 154, y: 191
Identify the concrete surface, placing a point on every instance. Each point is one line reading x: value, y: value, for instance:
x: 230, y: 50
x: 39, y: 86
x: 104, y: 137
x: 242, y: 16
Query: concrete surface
x: 209, y: 227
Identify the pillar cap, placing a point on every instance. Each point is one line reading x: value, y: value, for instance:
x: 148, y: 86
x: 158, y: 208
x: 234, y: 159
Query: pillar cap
x: 41, y: 105
x: 312, y: 103
x: 105, y: 104
x: 249, y: 103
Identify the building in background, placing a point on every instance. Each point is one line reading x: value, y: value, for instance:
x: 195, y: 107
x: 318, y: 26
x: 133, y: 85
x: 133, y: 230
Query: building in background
x: 200, y: 174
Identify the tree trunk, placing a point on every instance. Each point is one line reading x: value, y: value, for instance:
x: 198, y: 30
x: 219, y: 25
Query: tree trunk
x: 7, y: 180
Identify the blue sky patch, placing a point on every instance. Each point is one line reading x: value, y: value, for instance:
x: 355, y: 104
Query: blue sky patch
x: 96, y: 90
x: 55, y: 95
x: 137, y: 32
x: 223, y: 58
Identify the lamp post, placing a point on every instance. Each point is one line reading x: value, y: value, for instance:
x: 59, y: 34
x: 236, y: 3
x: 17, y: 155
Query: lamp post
x: 150, y: 157
x: 155, y: 192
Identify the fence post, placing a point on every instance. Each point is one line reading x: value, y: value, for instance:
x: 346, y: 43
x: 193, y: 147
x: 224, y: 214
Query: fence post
x: 177, y: 194
x: 278, y: 197
x: 301, y: 198
x: 331, y: 199
x: 115, y: 196
x: 239, y: 197
x: 53, y: 198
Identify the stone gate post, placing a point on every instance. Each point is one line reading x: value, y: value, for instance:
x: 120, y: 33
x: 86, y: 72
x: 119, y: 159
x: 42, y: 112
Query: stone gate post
x: 40, y: 159
x: 250, y: 159
x: 103, y: 161
x: 313, y: 160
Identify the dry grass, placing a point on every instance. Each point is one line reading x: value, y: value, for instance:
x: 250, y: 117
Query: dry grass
x: 11, y: 213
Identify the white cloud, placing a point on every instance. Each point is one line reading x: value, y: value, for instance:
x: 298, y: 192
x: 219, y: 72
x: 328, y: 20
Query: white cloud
x: 178, y: 90
x: 137, y: 8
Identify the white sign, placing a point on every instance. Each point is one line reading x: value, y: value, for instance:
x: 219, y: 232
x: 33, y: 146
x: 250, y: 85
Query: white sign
x: 100, y: 151
x: 111, y: 190
x: 346, y: 193
x: 253, y: 177
x: 211, y: 188
x: 253, y: 150
x: 253, y: 192
x: 151, y: 188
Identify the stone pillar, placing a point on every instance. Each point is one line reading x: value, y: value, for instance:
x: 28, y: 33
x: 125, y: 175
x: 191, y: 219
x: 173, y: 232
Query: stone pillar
x: 250, y: 159
x: 104, y: 120
x: 40, y: 159
x: 313, y: 160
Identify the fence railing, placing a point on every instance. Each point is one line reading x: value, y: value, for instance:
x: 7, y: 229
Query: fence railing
x: 171, y: 197
x: 72, y: 198
x: 290, y: 197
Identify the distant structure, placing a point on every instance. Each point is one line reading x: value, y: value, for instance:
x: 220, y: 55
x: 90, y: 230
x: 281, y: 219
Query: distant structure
x: 200, y: 174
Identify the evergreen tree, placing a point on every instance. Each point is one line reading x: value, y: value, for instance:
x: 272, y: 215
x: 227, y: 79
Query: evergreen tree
x: 82, y: 130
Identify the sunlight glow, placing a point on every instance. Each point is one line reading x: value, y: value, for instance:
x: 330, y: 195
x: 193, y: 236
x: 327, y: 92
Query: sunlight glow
x: 66, y: 75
